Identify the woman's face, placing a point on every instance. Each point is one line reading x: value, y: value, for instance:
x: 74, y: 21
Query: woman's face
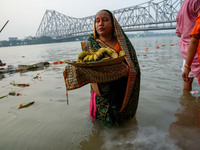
x: 103, y: 24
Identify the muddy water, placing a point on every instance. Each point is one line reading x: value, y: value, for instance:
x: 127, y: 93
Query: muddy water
x: 167, y: 117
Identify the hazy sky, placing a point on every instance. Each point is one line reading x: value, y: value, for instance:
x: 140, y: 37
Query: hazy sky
x: 25, y: 15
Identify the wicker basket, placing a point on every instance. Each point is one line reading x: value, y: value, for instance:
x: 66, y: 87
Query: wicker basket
x: 103, y: 62
x: 77, y: 75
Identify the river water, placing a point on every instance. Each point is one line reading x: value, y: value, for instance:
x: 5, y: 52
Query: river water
x: 167, y: 117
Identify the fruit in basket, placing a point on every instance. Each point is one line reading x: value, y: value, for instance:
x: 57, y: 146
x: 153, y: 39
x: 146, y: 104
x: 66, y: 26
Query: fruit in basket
x: 91, y: 58
x: 96, y: 58
x: 102, y: 50
x: 86, y: 58
x: 99, y: 54
x: 114, y: 55
x: 96, y: 55
x: 80, y: 60
x: 109, y: 51
x: 105, y: 55
x: 82, y: 54
x: 122, y: 53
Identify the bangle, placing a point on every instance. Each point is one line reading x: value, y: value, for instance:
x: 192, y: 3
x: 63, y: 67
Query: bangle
x: 187, y: 67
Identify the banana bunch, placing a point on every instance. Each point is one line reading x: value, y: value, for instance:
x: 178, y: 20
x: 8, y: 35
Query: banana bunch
x: 96, y: 55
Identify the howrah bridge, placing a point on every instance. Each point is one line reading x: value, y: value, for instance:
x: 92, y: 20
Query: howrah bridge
x: 143, y: 17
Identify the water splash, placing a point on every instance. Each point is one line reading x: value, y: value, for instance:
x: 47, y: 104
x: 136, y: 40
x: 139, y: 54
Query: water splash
x: 147, y: 138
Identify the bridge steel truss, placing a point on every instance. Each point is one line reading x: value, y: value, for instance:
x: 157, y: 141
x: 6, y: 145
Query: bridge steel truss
x: 146, y: 16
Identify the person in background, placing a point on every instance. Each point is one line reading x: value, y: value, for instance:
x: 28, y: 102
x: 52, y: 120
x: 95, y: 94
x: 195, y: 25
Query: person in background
x: 185, y: 22
x: 194, y: 47
x: 114, y: 101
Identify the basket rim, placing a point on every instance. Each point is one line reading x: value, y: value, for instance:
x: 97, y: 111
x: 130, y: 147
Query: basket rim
x: 103, y: 62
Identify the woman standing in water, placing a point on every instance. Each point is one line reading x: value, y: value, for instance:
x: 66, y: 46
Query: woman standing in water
x: 117, y: 100
x: 193, y: 49
x: 185, y: 22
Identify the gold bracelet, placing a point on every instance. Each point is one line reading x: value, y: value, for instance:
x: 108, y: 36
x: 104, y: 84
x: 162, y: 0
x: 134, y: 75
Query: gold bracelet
x: 187, y: 67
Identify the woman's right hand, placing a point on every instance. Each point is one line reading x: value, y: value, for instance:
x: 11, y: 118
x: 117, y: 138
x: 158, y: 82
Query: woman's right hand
x: 95, y: 88
x: 185, y: 75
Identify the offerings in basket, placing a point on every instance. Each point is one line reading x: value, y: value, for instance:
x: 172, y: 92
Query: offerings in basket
x: 95, y: 66
x: 96, y: 55
x: 100, y: 57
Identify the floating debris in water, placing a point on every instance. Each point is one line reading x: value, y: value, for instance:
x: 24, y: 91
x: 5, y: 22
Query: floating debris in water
x: 10, y: 94
x: 20, y: 69
x: 36, y: 77
x: 194, y: 92
x: 58, y: 62
x: 55, y: 62
x: 20, y: 85
x: 26, y: 105
x: 14, y: 94
x: 3, y: 96
x: 61, y: 62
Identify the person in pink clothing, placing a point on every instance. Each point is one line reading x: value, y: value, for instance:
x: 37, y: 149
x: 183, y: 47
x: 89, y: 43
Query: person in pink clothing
x: 194, y: 47
x: 185, y: 22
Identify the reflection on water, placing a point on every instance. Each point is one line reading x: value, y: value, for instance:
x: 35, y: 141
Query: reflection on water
x: 185, y: 131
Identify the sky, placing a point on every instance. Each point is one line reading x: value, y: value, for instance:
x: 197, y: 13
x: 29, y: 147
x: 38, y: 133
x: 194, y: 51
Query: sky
x: 25, y: 15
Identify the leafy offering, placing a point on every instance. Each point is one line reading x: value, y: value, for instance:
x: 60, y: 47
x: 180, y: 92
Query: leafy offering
x: 26, y: 105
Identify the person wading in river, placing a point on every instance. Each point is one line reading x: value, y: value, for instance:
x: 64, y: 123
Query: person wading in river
x: 117, y: 100
x: 185, y: 22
